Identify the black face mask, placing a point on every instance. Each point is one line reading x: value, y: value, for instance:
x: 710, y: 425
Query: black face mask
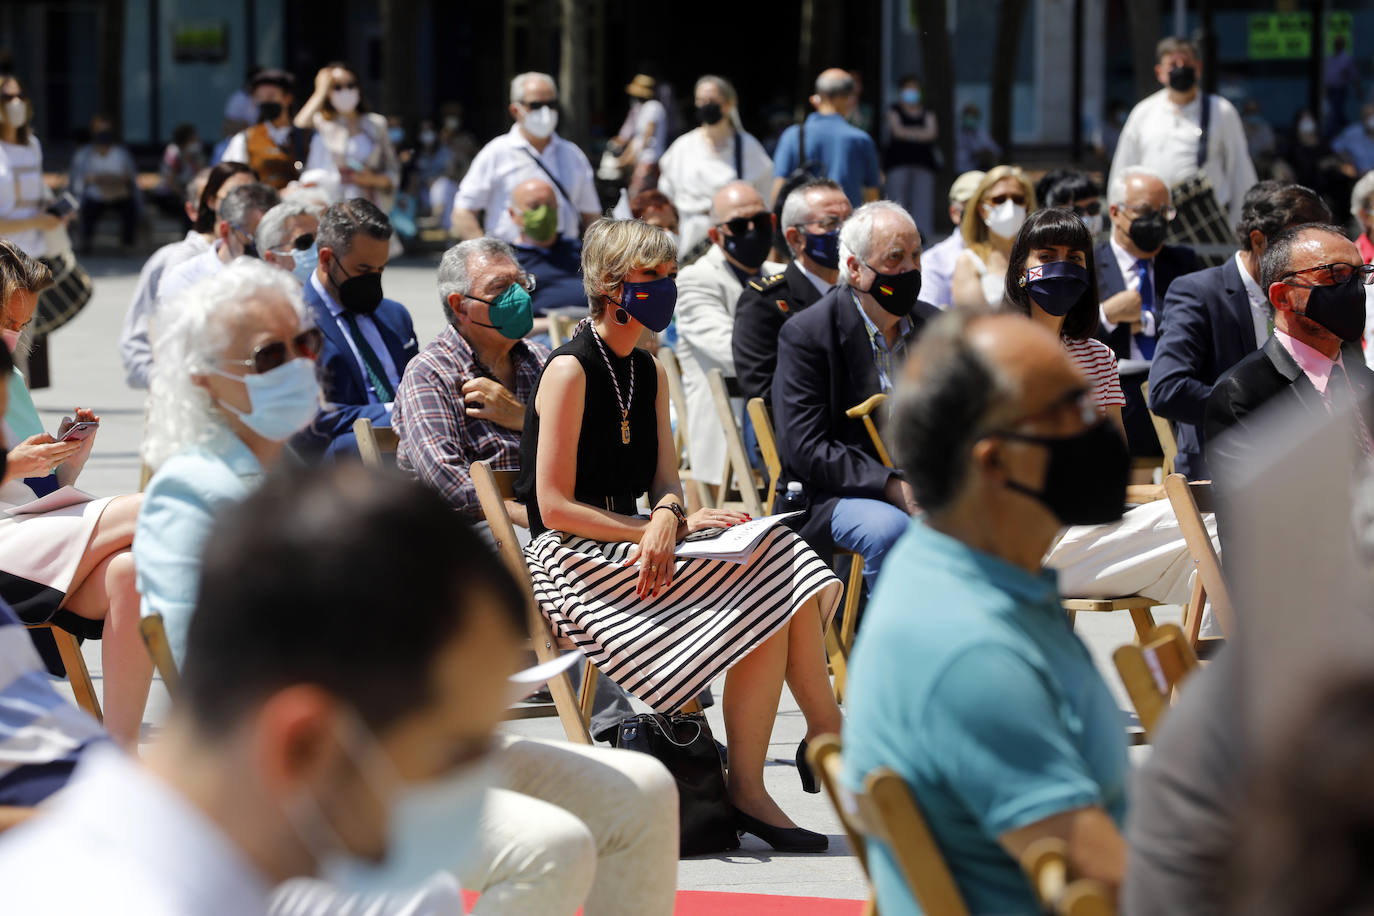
x: 709, y: 113
x: 269, y: 111
x: 1147, y: 232
x: 751, y: 246
x: 1181, y: 79
x: 102, y: 137
x: 1056, y: 287
x: 896, y: 293
x: 1338, y: 308
x: 1085, y: 482
x: 359, y: 294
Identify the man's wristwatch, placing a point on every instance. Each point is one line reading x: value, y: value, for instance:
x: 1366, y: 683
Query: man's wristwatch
x: 675, y: 509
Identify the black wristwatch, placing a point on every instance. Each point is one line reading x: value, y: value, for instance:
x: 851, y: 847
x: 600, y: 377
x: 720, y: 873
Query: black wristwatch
x: 675, y: 509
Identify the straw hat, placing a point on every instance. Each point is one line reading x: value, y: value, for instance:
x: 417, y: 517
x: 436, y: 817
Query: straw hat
x: 641, y: 87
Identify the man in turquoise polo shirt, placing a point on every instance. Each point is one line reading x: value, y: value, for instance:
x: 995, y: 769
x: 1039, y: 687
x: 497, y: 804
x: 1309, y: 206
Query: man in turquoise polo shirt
x: 967, y: 678
x: 845, y: 154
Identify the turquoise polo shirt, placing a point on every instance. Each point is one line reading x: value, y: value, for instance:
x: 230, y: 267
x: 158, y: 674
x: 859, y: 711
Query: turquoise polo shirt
x: 848, y: 154
x: 968, y: 681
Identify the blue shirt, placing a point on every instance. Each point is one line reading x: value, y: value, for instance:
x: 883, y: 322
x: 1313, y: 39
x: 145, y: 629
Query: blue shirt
x: 1356, y: 143
x: 968, y: 681
x: 849, y: 155
x: 557, y: 272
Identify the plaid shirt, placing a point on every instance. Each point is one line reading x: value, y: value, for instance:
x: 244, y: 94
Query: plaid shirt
x: 438, y: 440
x: 888, y: 360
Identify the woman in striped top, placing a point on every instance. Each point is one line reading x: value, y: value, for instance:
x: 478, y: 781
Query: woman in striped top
x: 1051, y: 277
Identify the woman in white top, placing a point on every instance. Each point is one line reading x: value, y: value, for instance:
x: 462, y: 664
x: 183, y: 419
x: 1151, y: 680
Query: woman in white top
x: 349, y: 140
x: 23, y: 196
x: 991, y: 219
x: 706, y: 159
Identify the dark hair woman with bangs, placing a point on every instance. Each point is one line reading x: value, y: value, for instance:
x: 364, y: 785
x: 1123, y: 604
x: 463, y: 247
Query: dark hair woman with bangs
x: 1052, y: 279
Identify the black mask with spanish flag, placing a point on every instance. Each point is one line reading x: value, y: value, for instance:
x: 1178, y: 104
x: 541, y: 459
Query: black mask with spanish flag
x: 896, y: 293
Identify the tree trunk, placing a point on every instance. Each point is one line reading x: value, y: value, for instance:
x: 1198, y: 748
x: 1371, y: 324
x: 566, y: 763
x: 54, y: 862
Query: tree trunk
x: 572, y: 65
x: 112, y: 62
x: 1011, y: 14
x: 1145, y: 25
x: 399, y: 27
x: 933, y: 27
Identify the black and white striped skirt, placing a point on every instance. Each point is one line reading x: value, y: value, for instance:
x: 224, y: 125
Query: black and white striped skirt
x: 664, y: 649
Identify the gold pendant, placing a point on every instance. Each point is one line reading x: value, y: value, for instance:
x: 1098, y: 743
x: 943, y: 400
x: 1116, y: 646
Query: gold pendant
x: 625, y: 432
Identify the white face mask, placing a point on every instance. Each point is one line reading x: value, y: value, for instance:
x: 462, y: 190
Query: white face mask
x: 1094, y: 223
x: 1307, y: 126
x: 540, y: 122
x: 16, y: 112
x: 344, y: 100
x: 1005, y: 218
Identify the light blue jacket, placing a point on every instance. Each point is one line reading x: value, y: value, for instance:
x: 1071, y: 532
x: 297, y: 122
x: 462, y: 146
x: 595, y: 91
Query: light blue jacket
x: 179, y: 509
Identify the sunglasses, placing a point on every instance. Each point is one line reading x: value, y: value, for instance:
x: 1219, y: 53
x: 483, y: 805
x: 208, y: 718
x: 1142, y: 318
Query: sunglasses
x: 742, y: 224
x: 1018, y: 199
x: 300, y: 243
x: 535, y: 105
x: 271, y: 355
x: 10, y: 96
x: 344, y: 86
x: 828, y: 224
x: 1092, y: 209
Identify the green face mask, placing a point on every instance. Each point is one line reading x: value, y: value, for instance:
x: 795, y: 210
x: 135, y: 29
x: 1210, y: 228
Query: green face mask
x: 510, y: 312
x: 541, y: 223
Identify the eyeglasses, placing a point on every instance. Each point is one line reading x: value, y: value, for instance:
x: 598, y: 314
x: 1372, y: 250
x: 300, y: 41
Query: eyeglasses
x: 998, y: 200
x: 742, y: 224
x: 1077, y: 402
x: 300, y: 243
x: 1339, y: 272
x: 271, y: 355
x: 526, y: 280
x: 827, y: 224
x: 1146, y: 212
x: 534, y: 105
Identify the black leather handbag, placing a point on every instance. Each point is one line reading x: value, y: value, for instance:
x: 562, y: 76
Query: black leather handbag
x: 682, y: 742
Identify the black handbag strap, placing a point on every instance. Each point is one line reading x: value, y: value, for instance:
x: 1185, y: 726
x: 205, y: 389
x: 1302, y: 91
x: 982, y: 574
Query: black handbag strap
x: 1206, y: 120
x: 739, y: 157
x: 545, y: 169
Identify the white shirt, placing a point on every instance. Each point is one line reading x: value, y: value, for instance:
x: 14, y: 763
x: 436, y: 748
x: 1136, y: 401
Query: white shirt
x: 22, y: 192
x: 1259, y: 312
x: 143, y: 851
x: 237, y: 150
x: 651, y: 113
x: 370, y: 334
x: 506, y: 162
x: 693, y: 170
x: 937, y: 270
x: 1125, y: 262
x: 821, y: 286
x: 189, y: 273
x: 134, y: 349
x: 1164, y: 137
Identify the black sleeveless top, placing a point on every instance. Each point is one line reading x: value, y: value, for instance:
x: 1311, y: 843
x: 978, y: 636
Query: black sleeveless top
x: 910, y: 152
x: 610, y: 474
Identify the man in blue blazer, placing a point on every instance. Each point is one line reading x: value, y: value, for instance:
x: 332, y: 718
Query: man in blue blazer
x: 843, y: 349
x: 1134, y: 272
x: 1216, y: 317
x: 368, y: 340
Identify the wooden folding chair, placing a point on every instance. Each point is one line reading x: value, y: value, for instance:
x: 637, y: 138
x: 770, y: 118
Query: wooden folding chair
x: 78, y: 675
x: 737, y: 467
x: 1164, y: 432
x: 1152, y: 669
x: 1046, y: 864
x: 864, y: 411
x: 1189, y: 501
x: 839, y: 636
x: 561, y: 328
x: 695, y: 491
x: 575, y: 712
x: 154, y: 634
x: 824, y: 756
x: 374, y: 441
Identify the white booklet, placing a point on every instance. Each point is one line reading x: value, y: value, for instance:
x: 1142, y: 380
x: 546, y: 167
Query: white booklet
x: 527, y: 682
x: 733, y: 544
x: 60, y: 498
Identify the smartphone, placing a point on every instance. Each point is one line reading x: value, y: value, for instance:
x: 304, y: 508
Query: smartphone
x: 79, y: 431
x: 64, y: 204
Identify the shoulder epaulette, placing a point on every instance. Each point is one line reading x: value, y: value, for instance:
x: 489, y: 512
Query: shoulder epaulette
x: 763, y: 284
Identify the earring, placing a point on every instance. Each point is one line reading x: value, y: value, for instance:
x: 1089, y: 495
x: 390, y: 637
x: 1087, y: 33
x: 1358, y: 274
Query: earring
x: 622, y: 317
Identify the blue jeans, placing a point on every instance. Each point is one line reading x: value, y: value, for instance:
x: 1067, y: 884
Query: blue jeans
x: 869, y: 527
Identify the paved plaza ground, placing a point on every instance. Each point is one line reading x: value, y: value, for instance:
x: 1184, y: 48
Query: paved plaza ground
x: 86, y: 372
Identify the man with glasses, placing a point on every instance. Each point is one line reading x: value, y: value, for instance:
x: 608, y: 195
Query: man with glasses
x: 531, y: 149
x: 1316, y: 283
x: 1213, y: 318
x: 811, y: 217
x: 967, y: 679
x: 708, y: 291
x: 236, y: 219
x: 286, y: 237
x: 1134, y: 271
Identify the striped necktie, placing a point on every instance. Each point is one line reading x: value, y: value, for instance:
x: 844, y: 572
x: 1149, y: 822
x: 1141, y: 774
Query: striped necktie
x: 376, y: 375
x: 1146, y: 342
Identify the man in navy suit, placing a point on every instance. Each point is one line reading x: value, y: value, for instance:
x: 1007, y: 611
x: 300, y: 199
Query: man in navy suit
x: 368, y: 340
x: 1134, y: 271
x: 1216, y: 317
x: 846, y: 347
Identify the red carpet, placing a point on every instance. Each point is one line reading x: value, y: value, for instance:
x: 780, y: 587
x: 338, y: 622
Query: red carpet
x: 710, y: 903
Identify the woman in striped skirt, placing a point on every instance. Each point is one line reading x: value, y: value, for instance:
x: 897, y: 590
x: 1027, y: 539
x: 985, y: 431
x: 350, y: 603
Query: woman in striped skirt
x: 662, y: 627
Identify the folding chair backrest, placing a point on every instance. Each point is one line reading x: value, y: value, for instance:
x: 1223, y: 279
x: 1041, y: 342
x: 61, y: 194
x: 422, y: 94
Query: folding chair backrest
x: 1189, y: 501
x: 493, y: 489
x: 736, y: 461
x: 888, y: 812
x: 1046, y: 864
x: 768, y: 446
x: 823, y: 754
x: 78, y: 675
x: 1164, y: 432
x: 154, y: 633
x: 864, y: 412
x: 1152, y: 671
x: 678, y: 395
x: 374, y: 441
x: 561, y: 329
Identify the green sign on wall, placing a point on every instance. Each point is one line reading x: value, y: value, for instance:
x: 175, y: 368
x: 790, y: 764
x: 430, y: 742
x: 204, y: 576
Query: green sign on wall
x: 1288, y: 36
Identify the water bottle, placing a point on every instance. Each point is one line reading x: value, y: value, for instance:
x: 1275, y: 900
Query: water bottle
x: 794, y: 500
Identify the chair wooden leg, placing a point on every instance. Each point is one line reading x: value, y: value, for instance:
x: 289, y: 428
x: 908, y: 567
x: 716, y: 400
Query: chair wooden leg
x: 1144, y: 621
x: 838, y: 665
x: 1073, y: 618
x: 852, y: 595
x: 1192, y: 612
x: 560, y: 688
x: 77, y: 672
x: 586, y: 697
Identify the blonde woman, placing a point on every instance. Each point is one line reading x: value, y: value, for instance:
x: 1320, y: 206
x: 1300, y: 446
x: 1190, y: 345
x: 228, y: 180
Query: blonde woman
x: 350, y: 141
x: 992, y: 217
x: 660, y: 626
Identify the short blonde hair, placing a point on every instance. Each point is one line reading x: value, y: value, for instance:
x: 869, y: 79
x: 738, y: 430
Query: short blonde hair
x: 614, y: 247
x: 974, y: 230
x: 20, y: 271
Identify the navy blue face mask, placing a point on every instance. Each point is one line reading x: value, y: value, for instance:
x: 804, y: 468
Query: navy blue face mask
x: 824, y: 248
x: 1056, y: 286
x: 650, y: 303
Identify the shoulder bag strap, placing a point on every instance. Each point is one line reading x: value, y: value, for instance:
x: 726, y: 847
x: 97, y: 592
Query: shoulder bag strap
x: 1206, y: 120
x: 739, y: 157
x: 545, y: 169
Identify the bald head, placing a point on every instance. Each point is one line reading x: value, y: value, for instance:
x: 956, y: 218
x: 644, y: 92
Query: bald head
x: 533, y: 193
x: 736, y: 199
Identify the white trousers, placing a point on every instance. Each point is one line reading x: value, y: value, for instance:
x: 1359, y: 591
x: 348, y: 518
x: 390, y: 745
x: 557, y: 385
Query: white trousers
x: 574, y: 827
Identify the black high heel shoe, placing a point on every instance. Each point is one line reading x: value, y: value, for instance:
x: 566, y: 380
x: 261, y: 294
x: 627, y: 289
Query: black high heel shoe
x: 808, y: 778
x: 782, y: 839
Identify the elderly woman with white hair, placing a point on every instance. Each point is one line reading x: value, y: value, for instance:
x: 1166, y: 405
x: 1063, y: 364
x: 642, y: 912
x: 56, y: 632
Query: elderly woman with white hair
x: 702, y: 161
x: 286, y: 236
x: 234, y: 377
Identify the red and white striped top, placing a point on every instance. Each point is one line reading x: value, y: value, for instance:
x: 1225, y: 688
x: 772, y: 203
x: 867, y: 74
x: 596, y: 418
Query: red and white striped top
x: 1097, y: 361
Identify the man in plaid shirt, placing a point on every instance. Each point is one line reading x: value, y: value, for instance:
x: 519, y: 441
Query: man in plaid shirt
x: 463, y: 398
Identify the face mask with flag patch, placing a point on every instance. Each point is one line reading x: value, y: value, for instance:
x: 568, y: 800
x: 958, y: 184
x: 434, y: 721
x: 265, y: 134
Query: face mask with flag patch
x: 1056, y: 286
x: 896, y: 293
x: 650, y: 303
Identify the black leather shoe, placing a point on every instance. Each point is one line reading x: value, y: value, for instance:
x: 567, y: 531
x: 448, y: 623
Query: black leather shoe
x: 808, y: 778
x: 782, y: 839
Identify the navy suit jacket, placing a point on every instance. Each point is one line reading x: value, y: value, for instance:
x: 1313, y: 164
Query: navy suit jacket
x: 1208, y: 328
x: 341, y: 378
x: 825, y: 367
